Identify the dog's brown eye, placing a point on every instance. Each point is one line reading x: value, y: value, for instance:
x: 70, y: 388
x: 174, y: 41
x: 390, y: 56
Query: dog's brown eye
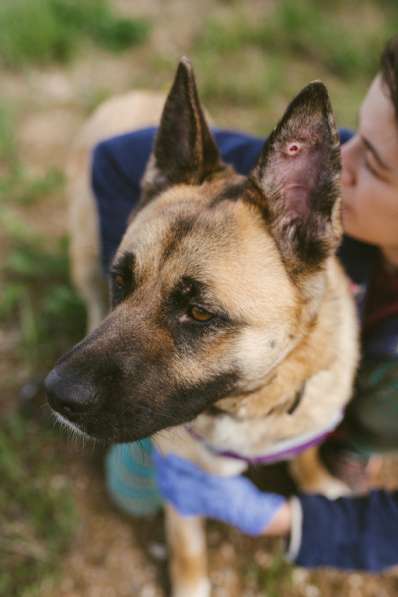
x: 199, y: 314
x: 118, y: 281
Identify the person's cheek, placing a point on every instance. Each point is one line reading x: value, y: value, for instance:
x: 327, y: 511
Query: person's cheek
x: 347, y: 198
x: 346, y: 177
x: 350, y: 158
x: 350, y: 212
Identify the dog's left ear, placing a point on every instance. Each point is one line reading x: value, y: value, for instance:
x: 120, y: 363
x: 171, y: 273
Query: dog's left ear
x: 184, y: 150
x: 296, y: 181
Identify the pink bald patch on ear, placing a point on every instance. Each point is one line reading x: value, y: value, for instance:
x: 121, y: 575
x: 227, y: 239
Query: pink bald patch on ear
x: 293, y: 148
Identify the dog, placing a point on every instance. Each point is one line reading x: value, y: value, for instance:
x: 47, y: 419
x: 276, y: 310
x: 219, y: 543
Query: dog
x: 232, y: 322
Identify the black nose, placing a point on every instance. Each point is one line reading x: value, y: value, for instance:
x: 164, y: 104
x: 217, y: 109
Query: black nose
x: 69, y: 396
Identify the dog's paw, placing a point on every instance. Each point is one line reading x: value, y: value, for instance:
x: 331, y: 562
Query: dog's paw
x: 328, y: 486
x: 312, y: 477
x: 199, y: 589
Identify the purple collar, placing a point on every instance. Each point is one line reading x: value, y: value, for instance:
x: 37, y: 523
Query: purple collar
x: 284, y: 450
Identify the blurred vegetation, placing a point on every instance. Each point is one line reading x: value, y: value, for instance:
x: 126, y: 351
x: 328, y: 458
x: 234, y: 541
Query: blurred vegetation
x: 274, y: 578
x: 38, y: 293
x: 250, y: 59
x: 16, y: 184
x: 308, y: 30
x: 44, y: 31
x: 37, y: 289
x: 38, y: 517
x: 265, y: 57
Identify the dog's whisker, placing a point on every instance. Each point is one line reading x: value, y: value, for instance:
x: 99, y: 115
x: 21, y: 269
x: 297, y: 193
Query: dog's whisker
x: 73, y: 432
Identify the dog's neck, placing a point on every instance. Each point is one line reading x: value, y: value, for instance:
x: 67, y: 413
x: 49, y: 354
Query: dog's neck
x: 304, y: 395
x: 282, y: 389
x: 301, y: 400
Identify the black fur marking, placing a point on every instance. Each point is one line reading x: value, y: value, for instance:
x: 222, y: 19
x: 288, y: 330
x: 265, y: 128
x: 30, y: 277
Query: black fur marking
x: 122, y: 277
x: 193, y: 399
x: 186, y: 291
x: 181, y: 229
x: 128, y: 389
x: 185, y: 151
x: 141, y: 419
x: 296, y: 401
x: 232, y: 192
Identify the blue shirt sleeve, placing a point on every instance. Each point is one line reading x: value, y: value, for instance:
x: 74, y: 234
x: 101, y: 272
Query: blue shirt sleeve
x: 116, y: 170
x: 351, y: 533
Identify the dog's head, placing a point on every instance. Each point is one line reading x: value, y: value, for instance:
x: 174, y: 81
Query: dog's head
x: 217, y: 278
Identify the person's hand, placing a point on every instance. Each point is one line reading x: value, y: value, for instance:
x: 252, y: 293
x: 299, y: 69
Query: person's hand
x: 234, y: 500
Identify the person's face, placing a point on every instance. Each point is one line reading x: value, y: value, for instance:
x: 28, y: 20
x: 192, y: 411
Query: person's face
x: 370, y: 173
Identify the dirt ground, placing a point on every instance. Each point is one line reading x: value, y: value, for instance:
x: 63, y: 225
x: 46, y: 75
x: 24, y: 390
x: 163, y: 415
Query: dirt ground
x: 111, y: 555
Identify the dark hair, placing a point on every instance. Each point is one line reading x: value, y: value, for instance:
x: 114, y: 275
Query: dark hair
x: 389, y: 71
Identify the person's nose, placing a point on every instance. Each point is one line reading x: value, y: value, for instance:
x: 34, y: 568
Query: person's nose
x: 349, y: 162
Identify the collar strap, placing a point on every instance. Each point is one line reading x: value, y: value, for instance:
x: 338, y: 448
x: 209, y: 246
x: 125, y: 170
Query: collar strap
x: 283, y: 450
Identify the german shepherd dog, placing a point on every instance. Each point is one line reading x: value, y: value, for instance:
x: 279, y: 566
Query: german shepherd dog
x: 231, y: 320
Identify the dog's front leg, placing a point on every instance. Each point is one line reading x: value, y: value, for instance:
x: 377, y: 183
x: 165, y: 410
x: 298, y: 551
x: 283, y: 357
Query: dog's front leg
x: 312, y: 477
x: 188, y: 562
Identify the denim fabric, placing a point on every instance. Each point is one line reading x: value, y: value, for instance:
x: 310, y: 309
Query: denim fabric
x: 358, y: 533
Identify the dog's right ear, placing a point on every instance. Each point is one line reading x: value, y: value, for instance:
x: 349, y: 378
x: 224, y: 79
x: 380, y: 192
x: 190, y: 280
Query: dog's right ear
x: 184, y: 150
x: 297, y: 181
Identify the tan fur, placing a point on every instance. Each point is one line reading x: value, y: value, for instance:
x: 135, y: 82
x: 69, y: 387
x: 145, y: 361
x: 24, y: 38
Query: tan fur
x: 321, y: 351
x: 188, y: 569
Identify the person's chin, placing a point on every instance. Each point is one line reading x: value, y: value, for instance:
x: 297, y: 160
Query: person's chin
x: 347, y: 219
x: 351, y: 228
x: 350, y: 224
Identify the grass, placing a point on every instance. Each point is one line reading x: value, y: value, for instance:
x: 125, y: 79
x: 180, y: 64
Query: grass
x: 22, y: 188
x: 37, y: 510
x: 36, y: 505
x: 38, y: 294
x: 277, y: 577
x: 35, y: 273
x: 267, y: 56
x: 37, y: 513
x: 273, y: 577
x: 17, y: 185
x: 315, y: 32
x: 46, y: 31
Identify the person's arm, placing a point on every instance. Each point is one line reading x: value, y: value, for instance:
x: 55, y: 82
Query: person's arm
x: 117, y: 166
x: 281, y: 523
x: 233, y: 500
x: 350, y: 533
